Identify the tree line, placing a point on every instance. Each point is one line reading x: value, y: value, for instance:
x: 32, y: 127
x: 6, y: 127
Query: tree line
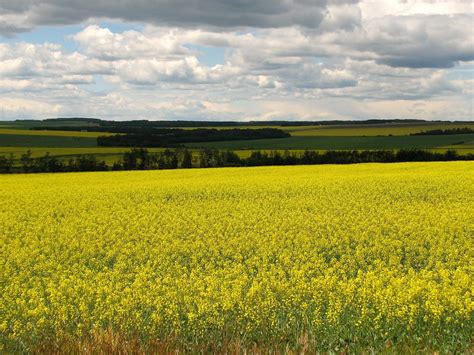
x: 50, y: 164
x: 142, y: 159
x: 173, y: 137
x: 441, y: 132
x: 99, y: 125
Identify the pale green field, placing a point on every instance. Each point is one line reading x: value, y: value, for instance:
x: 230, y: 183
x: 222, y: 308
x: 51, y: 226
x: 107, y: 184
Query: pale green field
x: 40, y: 151
x: 108, y: 154
x: 297, y: 131
x: 397, y: 129
x: 460, y: 151
x: 27, y: 132
x: 66, y: 144
x: 465, y: 148
x: 230, y: 127
x: 370, y: 130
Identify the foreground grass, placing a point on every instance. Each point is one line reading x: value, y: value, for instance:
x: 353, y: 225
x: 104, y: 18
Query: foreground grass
x: 108, y: 342
x: 371, y: 257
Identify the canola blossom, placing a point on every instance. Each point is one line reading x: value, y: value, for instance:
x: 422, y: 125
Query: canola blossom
x: 308, y: 257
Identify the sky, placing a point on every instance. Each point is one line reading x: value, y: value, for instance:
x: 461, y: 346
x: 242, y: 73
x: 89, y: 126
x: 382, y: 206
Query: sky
x: 237, y: 59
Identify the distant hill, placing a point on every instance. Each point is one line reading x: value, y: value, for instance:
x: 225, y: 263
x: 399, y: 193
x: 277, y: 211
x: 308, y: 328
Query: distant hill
x: 97, y: 122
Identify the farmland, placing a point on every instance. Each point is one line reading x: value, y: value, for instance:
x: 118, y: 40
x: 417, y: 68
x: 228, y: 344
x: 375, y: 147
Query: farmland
x: 342, y: 142
x: 292, y: 143
x: 18, y: 137
x: 370, y: 257
x: 49, y: 141
x: 399, y: 129
x: 51, y: 133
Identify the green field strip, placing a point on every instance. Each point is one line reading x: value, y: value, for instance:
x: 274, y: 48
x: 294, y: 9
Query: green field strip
x: 12, y: 140
x: 53, y: 123
x: 40, y: 151
x: 372, y: 130
x: 327, y: 143
x: 26, y: 132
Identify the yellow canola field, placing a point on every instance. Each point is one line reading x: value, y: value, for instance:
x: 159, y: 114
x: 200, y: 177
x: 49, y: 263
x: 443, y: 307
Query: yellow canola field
x: 318, y: 257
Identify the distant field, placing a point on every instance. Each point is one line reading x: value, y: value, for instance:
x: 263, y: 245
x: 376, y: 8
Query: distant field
x: 465, y: 145
x: 465, y: 148
x: 401, y: 129
x: 112, y: 155
x: 27, y: 132
x: 39, y: 151
x: 371, y: 130
x: 72, y: 146
x: 109, y: 155
x: 53, y: 123
x: 17, y: 138
x: 23, y: 140
x: 326, y: 143
x: 383, y: 129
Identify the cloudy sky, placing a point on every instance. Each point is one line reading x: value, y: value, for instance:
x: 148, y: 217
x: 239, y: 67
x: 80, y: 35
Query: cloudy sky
x: 237, y: 59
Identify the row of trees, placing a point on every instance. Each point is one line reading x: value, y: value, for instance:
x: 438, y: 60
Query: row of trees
x: 98, y: 125
x: 6, y: 164
x: 142, y: 159
x: 441, y: 132
x: 215, y: 158
x: 171, y: 137
x: 50, y: 164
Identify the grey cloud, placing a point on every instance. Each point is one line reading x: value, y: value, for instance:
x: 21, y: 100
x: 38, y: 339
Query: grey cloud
x: 417, y: 63
x: 214, y: 13
x: 415, y: 41
x: 341, y: 18
x: 418, y: 41
x: 381, y: 82
x: 17, y: 6
x: 314, y: 76
x: 348, y: 59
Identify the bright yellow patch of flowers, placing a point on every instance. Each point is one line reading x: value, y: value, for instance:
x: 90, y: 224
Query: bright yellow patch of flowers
x: 340, y: 255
